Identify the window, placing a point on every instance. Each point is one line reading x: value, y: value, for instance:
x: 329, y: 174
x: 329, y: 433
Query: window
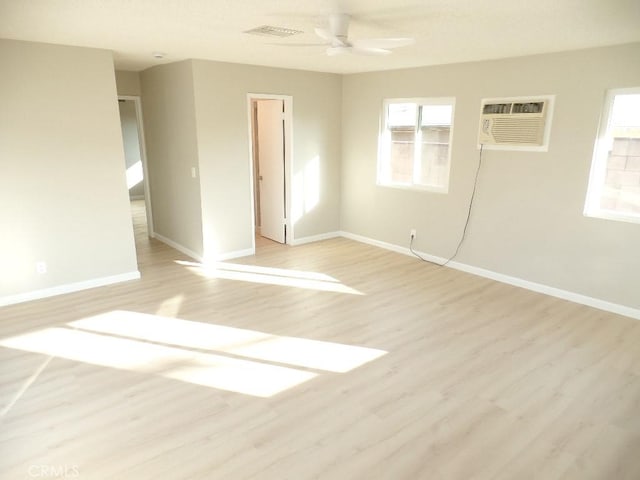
x: 614, y: 185
x: 415, y: 143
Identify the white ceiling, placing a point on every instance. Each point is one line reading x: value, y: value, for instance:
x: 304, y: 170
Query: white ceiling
x: 446, y: 31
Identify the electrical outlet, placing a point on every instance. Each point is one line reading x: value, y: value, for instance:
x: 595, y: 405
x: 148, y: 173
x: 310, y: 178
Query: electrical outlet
x: 412, y: 234
x: 41, y: 267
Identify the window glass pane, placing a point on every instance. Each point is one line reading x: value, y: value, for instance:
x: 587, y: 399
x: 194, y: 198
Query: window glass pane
x: 626, y: 111
x: 434, y: 166
x: 436, y: 134
x: 402, y: 150
x: 415, y: 149
x: 621, y: 190
x: 436, y: 115
x: 402, y: 115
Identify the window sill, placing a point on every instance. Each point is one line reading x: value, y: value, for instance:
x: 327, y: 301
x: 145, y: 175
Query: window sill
x: 414, y: 188
x: 610, y: 215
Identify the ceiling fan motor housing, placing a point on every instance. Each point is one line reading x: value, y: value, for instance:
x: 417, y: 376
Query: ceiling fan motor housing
x: 339, y: 27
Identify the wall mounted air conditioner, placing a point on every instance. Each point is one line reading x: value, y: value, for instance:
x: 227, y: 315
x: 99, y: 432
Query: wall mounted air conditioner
x: 516, y: 123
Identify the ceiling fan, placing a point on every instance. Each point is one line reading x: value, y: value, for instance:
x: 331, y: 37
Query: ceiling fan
x: 339, y: 43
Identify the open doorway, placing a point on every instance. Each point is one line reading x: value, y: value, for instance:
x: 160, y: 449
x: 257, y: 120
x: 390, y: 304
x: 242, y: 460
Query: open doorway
x: 136, y: 166
x: 270, y: 140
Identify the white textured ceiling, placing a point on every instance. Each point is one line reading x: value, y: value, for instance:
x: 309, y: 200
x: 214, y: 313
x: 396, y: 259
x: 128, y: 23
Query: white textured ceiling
x: 446, y: 31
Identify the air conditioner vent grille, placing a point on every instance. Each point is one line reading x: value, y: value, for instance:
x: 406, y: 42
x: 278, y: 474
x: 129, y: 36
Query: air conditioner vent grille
x: 525, y: 131
x: 516, y: 123
x: 271, y: 31
x: 496, y: 108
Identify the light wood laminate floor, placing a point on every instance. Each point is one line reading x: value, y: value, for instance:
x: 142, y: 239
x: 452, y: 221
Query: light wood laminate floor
x: 332, y: 360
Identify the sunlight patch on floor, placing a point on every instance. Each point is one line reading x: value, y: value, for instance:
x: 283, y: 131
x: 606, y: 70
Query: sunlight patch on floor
x: 269, y: 276
x: 227, y: 358
x: 222, y: 372
x: 295, y: 351
x: 171, y: 306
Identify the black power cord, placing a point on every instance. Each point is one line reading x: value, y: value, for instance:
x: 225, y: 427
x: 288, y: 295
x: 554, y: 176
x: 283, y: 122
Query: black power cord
x: 466, y: 223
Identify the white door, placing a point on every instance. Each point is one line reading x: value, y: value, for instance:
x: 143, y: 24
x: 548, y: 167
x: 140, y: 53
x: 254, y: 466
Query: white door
x: 271, y: 168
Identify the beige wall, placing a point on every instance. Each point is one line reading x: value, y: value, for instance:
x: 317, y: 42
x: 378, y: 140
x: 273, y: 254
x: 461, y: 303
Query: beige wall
x: 63, y: 194
x: 170, y: 138
x: 223, y: 139
x: 128, y: 83
x: 129, y: 126
x: 196, y: 115
x: 527, y: 220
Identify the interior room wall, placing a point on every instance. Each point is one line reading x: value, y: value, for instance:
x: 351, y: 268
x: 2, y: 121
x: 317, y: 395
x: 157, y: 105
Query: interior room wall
x: 130, y: 138
x: 63, y: 193
x: 223, y: 145
x: 527, y: 220
x: 172, y: 153
x: 128, y: 83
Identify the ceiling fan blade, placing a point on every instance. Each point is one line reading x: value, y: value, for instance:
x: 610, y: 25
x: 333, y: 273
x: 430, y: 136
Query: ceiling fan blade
x: 298, y: 44
x: 383, y: 43
x: 333, y: 51
x: 339, y: 44
x: 370, y: 51
x: 325, y: 34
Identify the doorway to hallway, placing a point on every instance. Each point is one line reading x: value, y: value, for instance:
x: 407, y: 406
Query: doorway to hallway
x: 270, y: 140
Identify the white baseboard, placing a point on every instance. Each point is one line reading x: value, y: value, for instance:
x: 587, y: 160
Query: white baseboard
x: 235, y: 254
x: 177, y: 246
x: 190, y: 253
x: 378, y: 243
x: 315, y: 238
x: 68, y: 288
x: 515, y: 281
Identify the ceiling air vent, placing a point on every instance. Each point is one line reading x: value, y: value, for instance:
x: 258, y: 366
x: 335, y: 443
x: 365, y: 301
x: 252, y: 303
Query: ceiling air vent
x: 271, y: 31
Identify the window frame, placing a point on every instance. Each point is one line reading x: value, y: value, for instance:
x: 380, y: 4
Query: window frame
x: 597, y: 174
x: 384, y: 144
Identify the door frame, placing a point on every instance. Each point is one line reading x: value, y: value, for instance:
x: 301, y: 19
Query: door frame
x: 143, y: 157
x: 288, y: 161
